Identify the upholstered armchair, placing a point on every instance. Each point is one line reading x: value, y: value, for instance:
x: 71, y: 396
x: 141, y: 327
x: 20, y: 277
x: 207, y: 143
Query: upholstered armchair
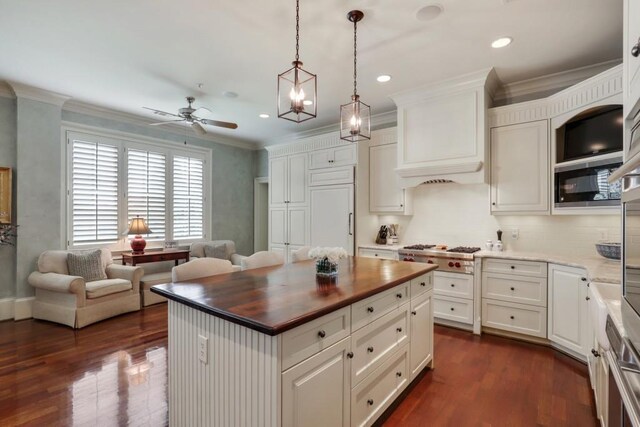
x: 221, y: 249
x: 70, y: 300
x: 262, y: 259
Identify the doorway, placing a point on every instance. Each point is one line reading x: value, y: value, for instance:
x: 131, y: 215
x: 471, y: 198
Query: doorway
x: 261, y: 214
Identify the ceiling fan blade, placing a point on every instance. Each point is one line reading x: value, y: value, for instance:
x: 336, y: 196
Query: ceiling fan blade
x: 227, y: 125
x: 200, y: 111
x: 161, y: 113
x: 197, y: 128
x: 165, y: 123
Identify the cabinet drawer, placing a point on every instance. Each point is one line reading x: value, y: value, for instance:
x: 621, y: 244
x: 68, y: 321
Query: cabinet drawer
x: 421, y: 284
x: 522, y: 268
x: 513, y: 288
x: 520, y: 318
x: 453, y: 285
x: 366, y: 311
x: 378, y: 253
x: 374, y: 343
x: 455, y: 309
x: 371, y: 397
x: 331, y: 176
x: 306, y: 340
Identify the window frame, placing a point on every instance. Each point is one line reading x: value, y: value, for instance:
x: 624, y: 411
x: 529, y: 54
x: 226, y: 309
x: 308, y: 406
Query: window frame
x: 124, y: 141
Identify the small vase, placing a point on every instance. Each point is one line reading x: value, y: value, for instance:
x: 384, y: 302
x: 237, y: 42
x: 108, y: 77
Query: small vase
x: 326, y: 268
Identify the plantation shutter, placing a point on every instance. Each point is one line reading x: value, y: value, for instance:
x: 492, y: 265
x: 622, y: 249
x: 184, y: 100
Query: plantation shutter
x: 146, y: 190
x: 94, y: 192
x: 188, y: 197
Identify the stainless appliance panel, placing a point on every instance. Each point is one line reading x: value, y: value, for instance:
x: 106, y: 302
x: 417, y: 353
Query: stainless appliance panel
x: 586, y: 184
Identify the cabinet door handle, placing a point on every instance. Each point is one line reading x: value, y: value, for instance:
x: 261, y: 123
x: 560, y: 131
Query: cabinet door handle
x: 584, y: 279
x: 398, y: 374
x: 587, y: 298
x: 423, y: 284
x: 398, y: 329
x: 370, y: 349
x: 370, y: 309
x: 635, y: 50
x: 350, y: 216
x: 595, y: 352
x: 398, y: 296
x: 322, y: 334
x: 414, y: 312
x: 350, y: 355
x: 370, y: 402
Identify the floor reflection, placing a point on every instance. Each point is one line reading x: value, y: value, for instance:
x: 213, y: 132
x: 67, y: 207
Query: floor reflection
x: 124, y: 388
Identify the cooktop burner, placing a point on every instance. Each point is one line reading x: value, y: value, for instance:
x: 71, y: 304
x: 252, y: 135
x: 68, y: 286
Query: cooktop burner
x: 420, y: 247
x: 464, y: 249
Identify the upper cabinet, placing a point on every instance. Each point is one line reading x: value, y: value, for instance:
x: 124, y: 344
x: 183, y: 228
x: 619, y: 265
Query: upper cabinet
x: 520, y: 168
x: 442, y: 131
x: 288, y: 180
x: 385, y: 193
x: 333, y: 157
x: 631, y: 57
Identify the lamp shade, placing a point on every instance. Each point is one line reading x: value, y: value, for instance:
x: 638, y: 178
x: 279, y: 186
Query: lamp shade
x: 138, y: 226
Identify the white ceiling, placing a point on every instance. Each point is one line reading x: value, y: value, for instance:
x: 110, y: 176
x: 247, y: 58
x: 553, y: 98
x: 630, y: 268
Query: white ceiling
x: 127, y: 54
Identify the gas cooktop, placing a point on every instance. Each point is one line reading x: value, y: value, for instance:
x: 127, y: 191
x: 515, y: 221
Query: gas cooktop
x: 419, y: 247
x: 464, y: 249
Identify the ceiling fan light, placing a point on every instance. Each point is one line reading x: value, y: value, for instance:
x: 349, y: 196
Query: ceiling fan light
x: 197, y: 128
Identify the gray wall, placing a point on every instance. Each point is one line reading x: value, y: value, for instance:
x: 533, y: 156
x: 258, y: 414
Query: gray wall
x: 261, y: 163
x: 8, y: 159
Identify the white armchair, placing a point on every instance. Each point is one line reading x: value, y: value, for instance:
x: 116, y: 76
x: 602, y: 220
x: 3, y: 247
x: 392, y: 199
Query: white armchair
x: 226, y: 249
x: 262, y: 259
x: 301, y: 254
x: 200, y: 267
x: 70, y: 300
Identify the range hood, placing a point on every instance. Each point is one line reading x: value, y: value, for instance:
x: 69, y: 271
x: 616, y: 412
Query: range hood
x: 443, y: 133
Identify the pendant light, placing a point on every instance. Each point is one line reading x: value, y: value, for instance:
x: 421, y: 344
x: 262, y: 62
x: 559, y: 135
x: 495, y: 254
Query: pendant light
x: 355, y: 117
x: 297, y: 88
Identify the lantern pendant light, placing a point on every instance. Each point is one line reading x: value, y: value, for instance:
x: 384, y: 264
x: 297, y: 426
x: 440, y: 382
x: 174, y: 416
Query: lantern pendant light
x: 297, y: 88
x: 355, y: 117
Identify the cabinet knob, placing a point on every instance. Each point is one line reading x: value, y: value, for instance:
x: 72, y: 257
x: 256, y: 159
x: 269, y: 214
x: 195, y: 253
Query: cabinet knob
x: 453, y: 286
x: 398, y: 296
x: 322, y: 334
x: 513, y: 267
x: 370, y: 309
x: 414, y: 312
x: 584, y: 279
x: 513, y: 289
x: 494, y: 203
x: 452, y: 309
x: 402, y: 206
x: 587, y: 298
x: 595, y: 352
x: 423, y: 284
x: 370, y: 349
x: 370, y: 402
x: 350, y: 355
x: 635, y: 50
x: 511, y: 317
x: 398, y: 329
x: 398, y: 374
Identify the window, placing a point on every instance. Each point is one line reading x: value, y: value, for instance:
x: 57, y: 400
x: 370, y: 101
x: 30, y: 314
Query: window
x: 112, y: 180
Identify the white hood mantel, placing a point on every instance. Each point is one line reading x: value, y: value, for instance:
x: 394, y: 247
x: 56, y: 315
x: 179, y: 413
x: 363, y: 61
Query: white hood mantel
x: 443, y: 131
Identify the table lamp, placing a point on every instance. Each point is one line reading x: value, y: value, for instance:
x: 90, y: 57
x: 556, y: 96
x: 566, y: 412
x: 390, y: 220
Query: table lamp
x: 138, y: 227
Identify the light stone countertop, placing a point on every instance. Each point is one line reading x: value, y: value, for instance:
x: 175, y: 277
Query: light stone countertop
x: 380, y: 247
x: 599, y: 269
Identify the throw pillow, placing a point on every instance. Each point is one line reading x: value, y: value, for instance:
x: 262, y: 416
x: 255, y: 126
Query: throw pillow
x: 218, y: 250
x: 87, y: 265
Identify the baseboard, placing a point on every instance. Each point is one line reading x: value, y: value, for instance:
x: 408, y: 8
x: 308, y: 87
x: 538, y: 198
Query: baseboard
x: 23, y: 308
x: 6, y: 308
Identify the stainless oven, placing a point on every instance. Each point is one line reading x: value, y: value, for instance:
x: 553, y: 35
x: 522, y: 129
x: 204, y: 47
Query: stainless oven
x: 586, y: 184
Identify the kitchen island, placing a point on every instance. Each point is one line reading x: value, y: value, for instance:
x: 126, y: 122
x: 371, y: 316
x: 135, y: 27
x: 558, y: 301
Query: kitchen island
x: 276, y: 346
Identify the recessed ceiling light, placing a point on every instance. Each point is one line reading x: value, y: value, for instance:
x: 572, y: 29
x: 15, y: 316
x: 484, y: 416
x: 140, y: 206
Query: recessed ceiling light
x: 383, y: 78
x: 429, y: 13
x: 230, y: 94
x: 307, y: 102
x: 501, y: 42
x: 263, y: 116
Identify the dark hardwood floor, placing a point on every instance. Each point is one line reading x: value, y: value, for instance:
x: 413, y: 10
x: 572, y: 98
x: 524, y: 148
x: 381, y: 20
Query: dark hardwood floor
x: 114, y: 373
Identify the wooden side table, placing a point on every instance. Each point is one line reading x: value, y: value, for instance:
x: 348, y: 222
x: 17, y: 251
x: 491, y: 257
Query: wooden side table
x: 157, y: 256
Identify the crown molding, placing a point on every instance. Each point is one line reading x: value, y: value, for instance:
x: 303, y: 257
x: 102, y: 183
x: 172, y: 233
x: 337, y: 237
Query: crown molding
x: 5, y: 90
x: 380, y: 120
x: 120, y: 116
x: 550, y: 82
x: 36, y: 94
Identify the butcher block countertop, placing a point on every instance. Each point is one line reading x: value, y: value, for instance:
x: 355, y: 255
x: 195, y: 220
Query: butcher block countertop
x: 272, y: 300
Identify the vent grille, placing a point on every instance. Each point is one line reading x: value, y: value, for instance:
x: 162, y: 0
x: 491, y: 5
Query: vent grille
x: 438, y: 181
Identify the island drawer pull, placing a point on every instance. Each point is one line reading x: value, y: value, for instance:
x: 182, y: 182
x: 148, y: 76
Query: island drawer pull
x: 512, y: 317
x: 453, y: 286
x: 398, y: 296
x: 398, y: 329
x: 414, y: 312
x: 370, y: 402
x: 453, y: 309
x: 350, y: 355
x: 423, y: 284
x: 398, y: 374
x: 322, y: 334
x: 370, y: 349
x: 513, y: 289
x: 513, y: 267
x: 370, y: 309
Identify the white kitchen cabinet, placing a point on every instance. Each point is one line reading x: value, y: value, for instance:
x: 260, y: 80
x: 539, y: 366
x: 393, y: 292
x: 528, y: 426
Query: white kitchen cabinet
x: 421, y: 332
x: 385, y: 194
x: 343, y: 155
x: 332, y: 216
x: 520, y: 168
x: 380, y: 253
x: 317, y: 392
x: 568, y: 309
x: 288, y: 230
x: 631, y: 70
x: 278, y: 181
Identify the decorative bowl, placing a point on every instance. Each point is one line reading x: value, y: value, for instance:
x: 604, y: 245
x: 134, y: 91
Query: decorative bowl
x: 609, y: 250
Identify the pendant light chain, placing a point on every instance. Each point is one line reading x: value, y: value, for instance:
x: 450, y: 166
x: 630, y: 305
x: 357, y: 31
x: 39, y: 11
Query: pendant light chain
x: 355, y: 55
x: 297, y: 29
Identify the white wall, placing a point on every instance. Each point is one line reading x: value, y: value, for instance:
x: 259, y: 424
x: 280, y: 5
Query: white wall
x: 455, y: 214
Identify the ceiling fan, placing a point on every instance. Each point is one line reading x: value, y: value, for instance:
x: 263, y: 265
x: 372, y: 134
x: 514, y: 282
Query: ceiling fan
x: 190, y: 115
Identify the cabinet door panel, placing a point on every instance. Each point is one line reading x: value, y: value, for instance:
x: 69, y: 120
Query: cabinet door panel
x: 297, y: 180
x: 297, y: 226
x: 631, y: 63
x: 520, y: 168
x: 343, y: 156
x: 316, y: 392
x: 320, y: 159
x: 278, y: 181
x: 384, y: 193
x: 332, y: 218
x: 567, y: 307
x: 421, y: 332
x: 278, y: 226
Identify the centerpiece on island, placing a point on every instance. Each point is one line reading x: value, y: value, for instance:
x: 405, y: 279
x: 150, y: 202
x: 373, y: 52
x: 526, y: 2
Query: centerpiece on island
x: 327, y: 260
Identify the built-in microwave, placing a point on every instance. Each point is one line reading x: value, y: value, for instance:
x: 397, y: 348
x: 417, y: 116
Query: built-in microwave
x: 585, y: 184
